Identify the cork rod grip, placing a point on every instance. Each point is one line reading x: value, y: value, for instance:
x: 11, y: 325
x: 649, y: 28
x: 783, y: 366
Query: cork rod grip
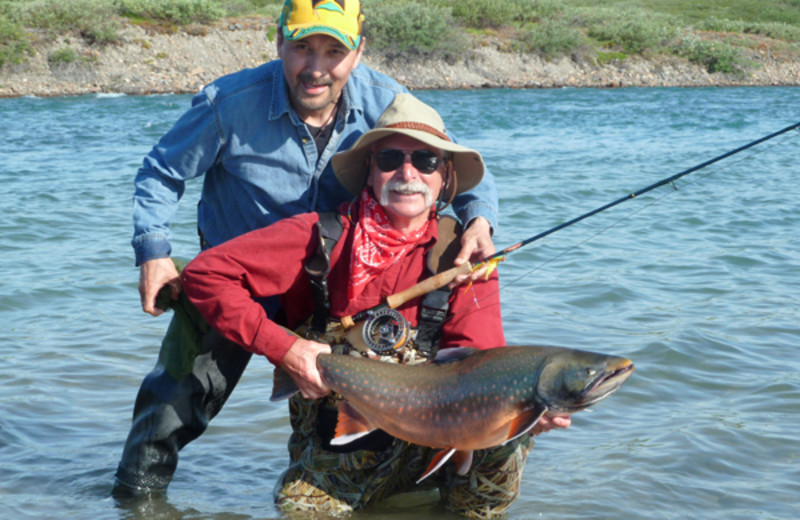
x: 429, y: 284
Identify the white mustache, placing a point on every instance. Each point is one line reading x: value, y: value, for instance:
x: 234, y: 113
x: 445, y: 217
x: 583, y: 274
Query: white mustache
x: 406, y: 188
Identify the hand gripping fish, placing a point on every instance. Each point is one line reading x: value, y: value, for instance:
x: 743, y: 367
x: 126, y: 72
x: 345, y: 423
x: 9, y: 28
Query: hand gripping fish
x: 467, y: 399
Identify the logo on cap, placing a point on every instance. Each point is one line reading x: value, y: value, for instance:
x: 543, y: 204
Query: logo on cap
x: 340, y: 19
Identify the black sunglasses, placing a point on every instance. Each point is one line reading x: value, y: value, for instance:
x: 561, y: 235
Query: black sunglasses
x: 390, y: 159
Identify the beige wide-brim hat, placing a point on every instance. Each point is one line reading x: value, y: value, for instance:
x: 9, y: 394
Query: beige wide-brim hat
x: 409, y: 116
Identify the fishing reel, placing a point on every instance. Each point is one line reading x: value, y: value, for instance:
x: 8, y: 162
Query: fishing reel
x: 385, y: 331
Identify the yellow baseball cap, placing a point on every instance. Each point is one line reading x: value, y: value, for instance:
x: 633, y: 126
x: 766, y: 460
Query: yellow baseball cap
x: 341, y: 19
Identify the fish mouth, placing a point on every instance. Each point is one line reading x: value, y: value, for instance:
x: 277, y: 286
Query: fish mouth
x: 607, y: 383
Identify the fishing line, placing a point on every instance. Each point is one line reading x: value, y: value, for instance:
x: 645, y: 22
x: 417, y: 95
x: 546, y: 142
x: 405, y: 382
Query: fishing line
x: 500, y: 256
x: 686, y: 183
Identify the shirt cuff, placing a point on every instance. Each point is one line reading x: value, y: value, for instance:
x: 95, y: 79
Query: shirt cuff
x: 150, y: 247
x: 272, y: 341
x: 475, y: 210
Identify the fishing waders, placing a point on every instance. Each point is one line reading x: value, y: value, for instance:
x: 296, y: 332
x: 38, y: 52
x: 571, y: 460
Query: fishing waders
x: 196, y: 371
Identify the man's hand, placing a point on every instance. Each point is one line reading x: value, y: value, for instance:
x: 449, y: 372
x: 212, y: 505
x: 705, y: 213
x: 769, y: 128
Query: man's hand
x: 476, y: 244
x: 153, y: 275
x: 547, y: 423
x: 300, y: 362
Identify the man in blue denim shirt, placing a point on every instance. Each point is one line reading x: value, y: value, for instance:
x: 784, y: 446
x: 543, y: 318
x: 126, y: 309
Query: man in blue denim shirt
x: 263, y: 138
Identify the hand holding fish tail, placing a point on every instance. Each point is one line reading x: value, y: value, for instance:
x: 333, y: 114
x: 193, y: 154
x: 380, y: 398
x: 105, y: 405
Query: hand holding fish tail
x: 300, y: 362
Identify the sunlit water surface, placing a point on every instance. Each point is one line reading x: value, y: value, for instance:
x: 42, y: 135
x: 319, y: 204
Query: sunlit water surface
x: 698, y: 283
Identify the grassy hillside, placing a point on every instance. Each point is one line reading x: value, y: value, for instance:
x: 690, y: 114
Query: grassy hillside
x: 720, y: 34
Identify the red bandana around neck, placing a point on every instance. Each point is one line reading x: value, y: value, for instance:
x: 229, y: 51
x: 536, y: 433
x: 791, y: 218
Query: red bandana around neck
x: 377, y: 245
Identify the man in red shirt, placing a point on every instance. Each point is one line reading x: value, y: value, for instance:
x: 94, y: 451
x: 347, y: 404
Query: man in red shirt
x: 403, y: 172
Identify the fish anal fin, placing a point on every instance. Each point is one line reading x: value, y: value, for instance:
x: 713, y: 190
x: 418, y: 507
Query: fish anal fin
x: 522, y: 423
x: 438, y: 460
x: 463, y: 460
x: 350, y: 425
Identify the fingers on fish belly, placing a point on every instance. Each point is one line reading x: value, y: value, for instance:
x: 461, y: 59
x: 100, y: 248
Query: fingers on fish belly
x: 462, y: 459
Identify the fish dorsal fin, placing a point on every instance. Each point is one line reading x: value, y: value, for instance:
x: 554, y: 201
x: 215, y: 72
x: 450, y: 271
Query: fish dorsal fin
x: 283, y: 386
x: 463, y: 460
x: 438, y: 460
x: 522, y: 423
x: 350, y: 425
x: 449, y: 355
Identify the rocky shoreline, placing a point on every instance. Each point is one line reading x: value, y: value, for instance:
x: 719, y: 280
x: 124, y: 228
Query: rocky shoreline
x: 182, y: 62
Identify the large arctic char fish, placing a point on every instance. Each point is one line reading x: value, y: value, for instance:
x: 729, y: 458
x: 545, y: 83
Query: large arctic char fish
x: 469, y: 400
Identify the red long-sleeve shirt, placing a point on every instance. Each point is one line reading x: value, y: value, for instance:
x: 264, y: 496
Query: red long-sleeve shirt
x: 223, y: 281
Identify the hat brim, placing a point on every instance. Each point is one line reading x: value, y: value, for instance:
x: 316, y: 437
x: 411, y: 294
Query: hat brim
x: 350, y: 166
x: 293, y: 32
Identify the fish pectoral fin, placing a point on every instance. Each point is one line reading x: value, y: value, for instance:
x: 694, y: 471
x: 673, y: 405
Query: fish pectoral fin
x: 283, y: 386
x: 438, y: 460
x: 522, y: 423
x: 463, y: 460
x: 350, y: 425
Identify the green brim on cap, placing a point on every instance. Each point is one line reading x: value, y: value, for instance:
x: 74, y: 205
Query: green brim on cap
x: 298, y: 33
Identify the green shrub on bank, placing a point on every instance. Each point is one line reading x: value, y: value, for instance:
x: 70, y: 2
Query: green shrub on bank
x: 180, y: 12
x: 410, y: 27
x: 713, y: 55
x: 778, y: 30
x: 552, y: 37
x: 92, y: 19
x: 633, y: 30
x: 493, y: 14
x: 63, y: 55
x: 608, y: 57
x: 14, y: 43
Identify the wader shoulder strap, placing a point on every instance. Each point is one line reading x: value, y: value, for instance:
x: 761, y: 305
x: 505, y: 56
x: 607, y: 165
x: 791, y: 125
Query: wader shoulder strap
x: 433, y: 311
x: 436, y: 303
x: 329, y: 230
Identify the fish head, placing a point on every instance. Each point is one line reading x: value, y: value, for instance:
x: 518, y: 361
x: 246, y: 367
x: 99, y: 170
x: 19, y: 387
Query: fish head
x: 573, y: 380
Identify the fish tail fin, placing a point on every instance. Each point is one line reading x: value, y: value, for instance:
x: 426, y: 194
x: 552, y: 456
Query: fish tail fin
x: 350, y: 425
x: 283, y: 386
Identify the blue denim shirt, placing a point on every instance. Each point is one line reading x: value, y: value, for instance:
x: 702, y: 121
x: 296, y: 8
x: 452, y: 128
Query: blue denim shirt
x: 259, y: 160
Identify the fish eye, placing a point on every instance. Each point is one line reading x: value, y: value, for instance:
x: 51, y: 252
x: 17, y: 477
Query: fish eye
x: 590, y: 372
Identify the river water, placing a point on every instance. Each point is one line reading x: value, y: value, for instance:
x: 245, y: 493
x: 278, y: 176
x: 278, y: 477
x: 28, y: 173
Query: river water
x: 698, y: 283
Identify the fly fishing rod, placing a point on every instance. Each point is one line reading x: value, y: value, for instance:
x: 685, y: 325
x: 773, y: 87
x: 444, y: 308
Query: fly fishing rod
x: 445, y: 277
x: 662, y: 182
